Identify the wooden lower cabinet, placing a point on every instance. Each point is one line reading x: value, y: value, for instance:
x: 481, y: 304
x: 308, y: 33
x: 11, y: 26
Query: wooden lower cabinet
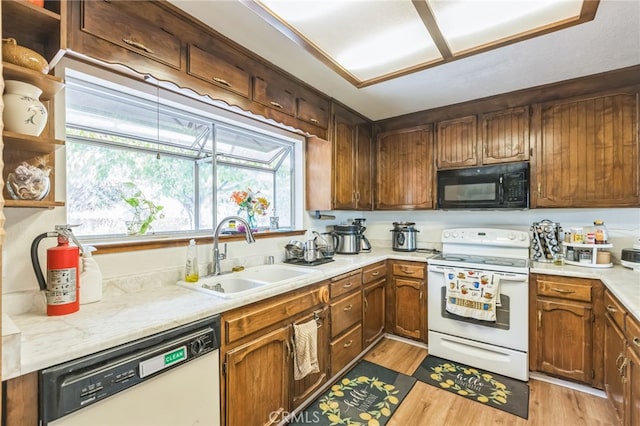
x: 346, y: 319
x: 614, y: 355
x: 407, y: 302
x: 257, y: 379
x: 305, y: 387
x: 566, y: 330
x: 257, y: 352
x: 373, y: 296
x: 632, y: 397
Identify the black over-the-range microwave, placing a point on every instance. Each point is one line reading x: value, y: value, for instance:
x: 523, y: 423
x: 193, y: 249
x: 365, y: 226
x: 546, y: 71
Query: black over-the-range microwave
x: 500, y: 186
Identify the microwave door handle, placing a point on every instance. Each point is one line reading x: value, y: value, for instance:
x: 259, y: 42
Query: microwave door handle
x: 501, y: 190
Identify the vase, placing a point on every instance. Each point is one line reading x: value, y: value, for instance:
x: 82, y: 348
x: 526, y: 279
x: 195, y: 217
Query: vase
x: 251, y: 219
x: 23, y: 112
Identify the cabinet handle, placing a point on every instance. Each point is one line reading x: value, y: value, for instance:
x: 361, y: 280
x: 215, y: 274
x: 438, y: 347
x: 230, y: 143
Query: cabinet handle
x: 348, y: 308
x: 539, y: 185
x: 314, y: 121
x: 375, y: 274
x: 288, y: 348
x: 275, y: 104
x: 324, y: 295
x: 366, y: 304
x: 347, y: 285
x: 137, y: 45
x: 408, y: 271
x: 636, y: 341
x: 353, y: 195
x: 293, y: 348
x: 221, y: 81
x: 539, y: 319
x: 420, y: 295
x: 620, y: 356
x: 357, y: 195
x: 612, y: 309
x: 563, y: 291
x: 623, y: 367
x: 348, y: 344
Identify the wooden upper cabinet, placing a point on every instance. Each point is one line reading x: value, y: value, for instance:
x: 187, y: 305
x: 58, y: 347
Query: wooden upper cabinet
x: 587, y: 152
x: 313, y: 108
x: 352, y: 169
x: 274, y: 91
x: 505, y: 135
x: 456, y: 143
x: 140, y: 27
x: 221, y: 66
x: 405, y: 169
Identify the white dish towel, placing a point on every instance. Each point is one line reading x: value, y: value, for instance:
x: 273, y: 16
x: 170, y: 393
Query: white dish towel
x: 305, y: 354
x: 472, y: 294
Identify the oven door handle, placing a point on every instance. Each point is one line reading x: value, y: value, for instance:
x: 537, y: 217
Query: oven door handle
x: 504, y: 276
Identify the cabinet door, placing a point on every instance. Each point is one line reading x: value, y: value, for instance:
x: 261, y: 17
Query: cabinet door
x: 303, y: 388
x: 565, y: 340
x: 344, y: 160
x: 373, y: 311
x: 632, y: 396
x: 410, y: 308
x: 456, y: 144
x: 221, y: 66
x: 505, y: 136
x: 140, y: 27
x: 258, y: 374
x: 313, y: 109
x: 405, y: 170
x: 587, y: 153
x: 614, y: 356
x: 272, y: 91
x: 364, y: 168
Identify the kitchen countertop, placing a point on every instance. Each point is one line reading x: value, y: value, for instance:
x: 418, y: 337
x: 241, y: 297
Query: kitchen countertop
x: 137, y: 307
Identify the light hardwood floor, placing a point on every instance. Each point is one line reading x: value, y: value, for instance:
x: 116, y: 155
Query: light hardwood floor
x: 549, y: 404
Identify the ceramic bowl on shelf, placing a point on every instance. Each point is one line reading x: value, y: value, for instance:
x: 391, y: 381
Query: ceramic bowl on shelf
x: 22, y: 56
x: 28, y: 182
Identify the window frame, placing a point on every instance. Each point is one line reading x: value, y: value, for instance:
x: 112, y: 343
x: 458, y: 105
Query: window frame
x: 191, y: 101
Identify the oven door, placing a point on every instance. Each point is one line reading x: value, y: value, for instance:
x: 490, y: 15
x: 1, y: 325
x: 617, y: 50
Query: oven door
x: 501, y: 346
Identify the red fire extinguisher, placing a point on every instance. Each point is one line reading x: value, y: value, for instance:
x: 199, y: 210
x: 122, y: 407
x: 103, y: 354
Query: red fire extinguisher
x: 62, y: 287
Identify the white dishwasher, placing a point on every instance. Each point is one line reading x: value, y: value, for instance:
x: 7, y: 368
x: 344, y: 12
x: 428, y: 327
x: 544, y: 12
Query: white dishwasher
x: 167, y: 379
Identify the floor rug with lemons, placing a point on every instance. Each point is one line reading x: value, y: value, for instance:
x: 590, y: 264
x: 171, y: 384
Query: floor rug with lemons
x: 491, y: 389
x: 367, y: 395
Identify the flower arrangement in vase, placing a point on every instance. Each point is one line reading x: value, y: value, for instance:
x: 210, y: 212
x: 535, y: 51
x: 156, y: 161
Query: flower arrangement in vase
x: 145, y: 211
x: 251, y: 204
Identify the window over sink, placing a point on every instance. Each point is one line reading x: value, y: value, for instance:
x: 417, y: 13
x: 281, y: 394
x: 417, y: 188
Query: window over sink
x: 127, y: 140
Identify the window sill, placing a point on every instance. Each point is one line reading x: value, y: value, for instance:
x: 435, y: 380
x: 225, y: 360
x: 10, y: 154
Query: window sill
x: 150, y: 243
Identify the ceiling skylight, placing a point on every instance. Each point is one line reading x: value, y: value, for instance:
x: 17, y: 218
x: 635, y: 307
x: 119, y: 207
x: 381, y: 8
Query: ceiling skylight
x: 369, y: 41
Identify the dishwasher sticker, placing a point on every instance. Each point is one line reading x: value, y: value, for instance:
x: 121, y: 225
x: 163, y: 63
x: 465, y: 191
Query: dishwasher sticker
x: 160, y: 362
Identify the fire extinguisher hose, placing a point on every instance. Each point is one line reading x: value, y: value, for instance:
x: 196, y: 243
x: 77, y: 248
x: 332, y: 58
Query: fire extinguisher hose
x: 34, y: 258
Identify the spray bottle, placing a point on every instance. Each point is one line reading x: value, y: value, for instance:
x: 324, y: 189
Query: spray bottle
x: 91, y: 278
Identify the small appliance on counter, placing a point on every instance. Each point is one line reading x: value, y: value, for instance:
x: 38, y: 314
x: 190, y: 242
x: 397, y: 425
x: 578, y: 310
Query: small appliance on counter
x: 630, y: 257
x: 350, y: 238
x: 404, y: 236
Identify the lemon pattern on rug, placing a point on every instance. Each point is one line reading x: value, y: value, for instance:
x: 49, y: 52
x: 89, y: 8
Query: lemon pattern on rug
x: 465, y: 381
x: 331, y: 409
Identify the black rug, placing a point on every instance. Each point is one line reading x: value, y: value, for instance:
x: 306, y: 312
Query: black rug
x: 491, y: 389
x: 369, y: 392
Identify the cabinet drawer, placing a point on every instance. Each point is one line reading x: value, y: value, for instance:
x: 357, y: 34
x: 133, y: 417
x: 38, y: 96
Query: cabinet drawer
x: 313, y: 109
x: 412, y: 270
x: 345, y: 313
x: 219, y: 69
x: 345, y: 283
x: 374, y: 272
x: 137, y: 26
x: 251, y: 319
x: 614, y: 309
x: 633, y: 333
x: 274, y: 95
x: 346, y: 349
x: 564, y: 290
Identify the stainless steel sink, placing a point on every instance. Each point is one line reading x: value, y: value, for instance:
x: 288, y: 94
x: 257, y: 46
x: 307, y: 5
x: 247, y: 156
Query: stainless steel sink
x: 237, y: 284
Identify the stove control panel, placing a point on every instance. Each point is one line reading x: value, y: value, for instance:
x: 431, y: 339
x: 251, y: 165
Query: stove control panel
x: 486, y: 236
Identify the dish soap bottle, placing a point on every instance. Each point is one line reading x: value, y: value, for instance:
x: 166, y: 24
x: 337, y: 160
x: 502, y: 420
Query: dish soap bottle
x: 90, y: 278
x: 191, y: 274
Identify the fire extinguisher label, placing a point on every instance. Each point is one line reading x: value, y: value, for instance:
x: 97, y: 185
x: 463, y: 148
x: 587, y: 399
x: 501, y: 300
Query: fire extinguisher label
x: 61, y: 286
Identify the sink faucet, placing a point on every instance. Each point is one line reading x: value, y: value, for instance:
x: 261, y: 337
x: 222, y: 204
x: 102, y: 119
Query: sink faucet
x: 216, y: 253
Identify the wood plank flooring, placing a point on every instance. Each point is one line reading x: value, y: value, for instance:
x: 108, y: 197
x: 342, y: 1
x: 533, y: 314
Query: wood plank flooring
x: 426, y: 405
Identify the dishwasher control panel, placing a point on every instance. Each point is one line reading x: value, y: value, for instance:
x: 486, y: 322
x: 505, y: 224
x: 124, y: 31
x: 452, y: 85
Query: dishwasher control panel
x: 77, y: 384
